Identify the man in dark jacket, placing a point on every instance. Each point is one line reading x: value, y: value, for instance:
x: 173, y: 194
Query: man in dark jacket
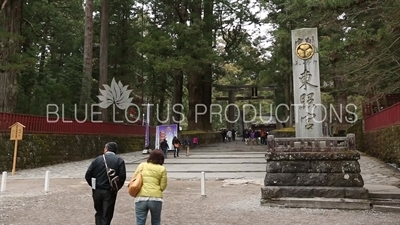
x: 164, y: 147
x: 233, y: 134
x: 103, y: 196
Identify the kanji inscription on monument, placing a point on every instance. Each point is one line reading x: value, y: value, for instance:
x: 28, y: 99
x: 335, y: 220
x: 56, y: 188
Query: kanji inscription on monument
x: 306, y: 83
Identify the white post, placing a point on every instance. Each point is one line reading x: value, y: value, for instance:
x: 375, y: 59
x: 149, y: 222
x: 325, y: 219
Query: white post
x: 203, y: 184
x: 4, y: 181
x: 47, y: 181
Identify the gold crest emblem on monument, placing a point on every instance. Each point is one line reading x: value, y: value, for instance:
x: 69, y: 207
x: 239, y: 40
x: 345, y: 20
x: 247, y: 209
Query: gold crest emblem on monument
x: 305, y: 50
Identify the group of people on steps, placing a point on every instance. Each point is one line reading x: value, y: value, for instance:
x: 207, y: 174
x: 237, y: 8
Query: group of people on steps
x: 177, y: 144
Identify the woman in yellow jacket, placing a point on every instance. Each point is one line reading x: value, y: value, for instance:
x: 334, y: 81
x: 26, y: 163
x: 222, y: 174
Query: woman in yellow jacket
x: 150, y: 196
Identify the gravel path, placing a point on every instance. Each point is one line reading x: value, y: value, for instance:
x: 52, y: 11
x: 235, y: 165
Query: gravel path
x: 228, y: 202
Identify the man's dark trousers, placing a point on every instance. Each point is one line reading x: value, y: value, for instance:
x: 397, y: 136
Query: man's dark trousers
x: 104, y: 202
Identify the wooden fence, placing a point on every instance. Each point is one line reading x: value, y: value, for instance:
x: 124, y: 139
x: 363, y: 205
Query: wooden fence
x: 389, y: 116
x: 45, y: 125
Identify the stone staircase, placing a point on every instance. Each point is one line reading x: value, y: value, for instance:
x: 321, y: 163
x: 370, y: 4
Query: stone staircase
x: 384, y: 202
x: 233, y: 146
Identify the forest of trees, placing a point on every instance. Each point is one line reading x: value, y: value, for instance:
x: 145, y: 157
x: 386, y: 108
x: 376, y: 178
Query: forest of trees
x: 168, y: 52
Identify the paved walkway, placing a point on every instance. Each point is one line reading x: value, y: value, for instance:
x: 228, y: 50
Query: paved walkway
x: 233, y: 160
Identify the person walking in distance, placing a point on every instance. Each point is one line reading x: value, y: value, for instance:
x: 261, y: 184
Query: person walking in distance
x: 97, y: 176
x: 233, y: 134
x: 176, y: 144
x: 186, y: 143
x: 223, y: 134
x: 252, y: 137
x: 229, y: 135
x: 263, y: 136
x: 164, y: 147
x: 150, y: 196
x: 246, y: 137
x: 195, y: 141
x: 257, y: 136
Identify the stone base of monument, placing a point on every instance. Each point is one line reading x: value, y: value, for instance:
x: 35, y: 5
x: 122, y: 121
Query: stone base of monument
x: 315, y: 197
x: 320, y: 203
x: 311, y: 176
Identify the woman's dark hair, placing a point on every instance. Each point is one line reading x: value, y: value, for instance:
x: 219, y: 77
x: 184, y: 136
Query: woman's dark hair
x: 156, y: 157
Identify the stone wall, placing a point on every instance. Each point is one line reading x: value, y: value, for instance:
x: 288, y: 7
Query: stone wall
x: 37, y: 150
x: 383, y: 144
x: 334, y: 169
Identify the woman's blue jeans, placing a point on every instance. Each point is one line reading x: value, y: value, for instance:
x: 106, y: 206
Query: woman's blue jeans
x: 143, y: 207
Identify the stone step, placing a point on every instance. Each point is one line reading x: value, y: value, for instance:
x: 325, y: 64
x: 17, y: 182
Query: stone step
x: 384, y: 208
x: 273, y: 192
x: 320, y: 203
x: 384, y: 195
x: 385, y: 202
x: 236, y: 149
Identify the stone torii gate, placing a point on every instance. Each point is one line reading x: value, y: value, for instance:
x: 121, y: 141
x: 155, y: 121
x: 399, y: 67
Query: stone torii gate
x: 231, y: 98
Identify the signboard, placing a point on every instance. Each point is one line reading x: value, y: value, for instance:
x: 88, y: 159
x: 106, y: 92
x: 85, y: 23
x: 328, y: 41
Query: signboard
x: 17, y: 130
x: 166, y: 132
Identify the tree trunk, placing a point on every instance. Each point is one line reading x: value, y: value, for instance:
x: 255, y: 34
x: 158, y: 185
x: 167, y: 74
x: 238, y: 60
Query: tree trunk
x: 104, y: 52
x: 87, y: 55
x: 161, y: 104
x: 10, y: 19
x: 195, y: 98
x: 125, y: 58
x: 207, y: 69
x: 340, y: 99
x: 177, y: 98
x: 196, y: 78
x: 340, y: 104
x: 207, y: 89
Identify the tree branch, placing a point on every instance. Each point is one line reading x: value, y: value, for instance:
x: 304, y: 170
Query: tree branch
x: 3, y: 6
x: 33, y: 29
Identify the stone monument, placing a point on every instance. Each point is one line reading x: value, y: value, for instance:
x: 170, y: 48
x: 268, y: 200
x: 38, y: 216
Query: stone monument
x: 310, y: 170
x: 306, y: 83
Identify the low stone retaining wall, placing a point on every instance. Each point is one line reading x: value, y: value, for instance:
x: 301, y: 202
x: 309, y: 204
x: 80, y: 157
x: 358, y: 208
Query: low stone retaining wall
x: 204, y: 138
x: 383, y: 144
x: 37, y: 150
